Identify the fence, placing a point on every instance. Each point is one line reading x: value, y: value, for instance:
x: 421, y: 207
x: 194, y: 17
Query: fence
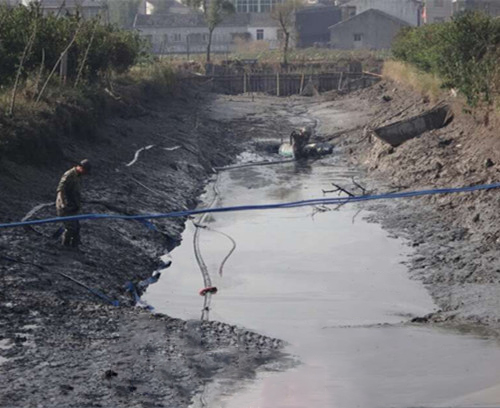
x: 284, y: 84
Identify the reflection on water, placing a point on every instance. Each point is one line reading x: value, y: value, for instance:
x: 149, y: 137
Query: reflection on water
x: 335, y: 291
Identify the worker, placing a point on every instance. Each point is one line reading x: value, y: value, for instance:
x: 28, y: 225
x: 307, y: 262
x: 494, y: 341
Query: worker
x: 68, y: 201
x: 299, y: 140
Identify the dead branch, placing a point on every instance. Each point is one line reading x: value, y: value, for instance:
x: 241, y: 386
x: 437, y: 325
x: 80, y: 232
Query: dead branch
x: 355, y: 215
x: 363, y: 190
x: 58, y: 62
x: 343, y: 190
x: 26, y: 51
x: 82, y: 65
x: 40, y: 73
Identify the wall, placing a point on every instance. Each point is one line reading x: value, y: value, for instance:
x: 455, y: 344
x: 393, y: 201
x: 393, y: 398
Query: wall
x: 438, y: 11
x: 222, y: 40
x: 376, y: 32
x: 312, y: 24
x: 406, y: 10
x: 491, y: 7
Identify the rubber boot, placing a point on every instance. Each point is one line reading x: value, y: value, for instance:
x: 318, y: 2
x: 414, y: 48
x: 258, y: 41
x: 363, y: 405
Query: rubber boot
x: 66, y: 239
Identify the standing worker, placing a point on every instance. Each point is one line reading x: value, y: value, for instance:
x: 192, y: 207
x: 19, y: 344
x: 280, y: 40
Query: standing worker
x: 299, y: 140
x: 69, y: 202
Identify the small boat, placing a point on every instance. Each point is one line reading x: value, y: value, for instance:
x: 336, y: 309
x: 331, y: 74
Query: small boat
x: 401, y: 131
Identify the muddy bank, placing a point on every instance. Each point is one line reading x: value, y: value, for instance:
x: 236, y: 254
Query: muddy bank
x: 456, y: 237
x: 60, y: 345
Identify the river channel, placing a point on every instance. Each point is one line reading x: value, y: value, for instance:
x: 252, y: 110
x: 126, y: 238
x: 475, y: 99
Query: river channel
x: 334, y: 287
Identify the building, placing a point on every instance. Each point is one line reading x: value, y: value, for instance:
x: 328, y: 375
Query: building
x: 86, y: 8
x: 188, y: 33
x: 406, y: 10
x: 491, y: 7
x: 10, y: 3
x: 149, y: 7
x: 372, y: 29
x: 254, y: 6
x: 437, y: 11
x: 312, y: 24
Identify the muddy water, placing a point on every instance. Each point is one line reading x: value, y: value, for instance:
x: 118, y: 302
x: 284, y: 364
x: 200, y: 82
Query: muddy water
x: 333, y: 287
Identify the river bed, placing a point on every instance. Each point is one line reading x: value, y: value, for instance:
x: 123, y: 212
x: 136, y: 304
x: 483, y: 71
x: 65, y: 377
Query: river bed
x: 333, y: 287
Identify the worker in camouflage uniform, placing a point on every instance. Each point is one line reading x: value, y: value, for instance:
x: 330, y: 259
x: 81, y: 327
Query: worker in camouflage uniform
x: 299, y: 140
x: 68, y: 201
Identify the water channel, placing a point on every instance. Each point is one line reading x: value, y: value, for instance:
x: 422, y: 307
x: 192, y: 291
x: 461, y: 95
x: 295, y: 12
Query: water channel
x: 333, y: 287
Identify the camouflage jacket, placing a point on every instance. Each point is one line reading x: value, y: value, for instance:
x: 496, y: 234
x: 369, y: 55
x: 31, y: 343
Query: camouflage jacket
x: 69, y: 191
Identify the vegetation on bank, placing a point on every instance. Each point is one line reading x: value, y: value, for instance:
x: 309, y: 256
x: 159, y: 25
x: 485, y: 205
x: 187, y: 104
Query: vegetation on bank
x: 462, y: 54
x: 429, y: 85
x: 40, y: 55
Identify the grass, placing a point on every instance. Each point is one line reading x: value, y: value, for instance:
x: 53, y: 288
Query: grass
x: 428, y: 85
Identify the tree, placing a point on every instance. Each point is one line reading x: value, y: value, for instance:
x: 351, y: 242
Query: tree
x: 284, y: 14
x: 214, y: 12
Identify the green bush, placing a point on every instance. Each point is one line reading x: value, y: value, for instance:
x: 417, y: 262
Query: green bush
x: 100, y: 48
x: 464, y: 53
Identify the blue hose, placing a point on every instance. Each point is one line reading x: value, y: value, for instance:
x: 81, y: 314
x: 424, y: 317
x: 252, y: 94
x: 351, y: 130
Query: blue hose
x: 293, y: 204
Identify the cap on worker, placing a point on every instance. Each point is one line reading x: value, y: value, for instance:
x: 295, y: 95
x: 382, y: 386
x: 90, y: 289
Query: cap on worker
x: 86, y: 165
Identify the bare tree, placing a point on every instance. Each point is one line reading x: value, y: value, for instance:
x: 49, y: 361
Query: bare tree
x: 284, y: 14
x: 214, y: 12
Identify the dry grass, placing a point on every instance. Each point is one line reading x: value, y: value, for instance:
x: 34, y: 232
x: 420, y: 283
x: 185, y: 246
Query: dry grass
x: 428, y: 85
x: 25, y: 101
x: 160, y: 73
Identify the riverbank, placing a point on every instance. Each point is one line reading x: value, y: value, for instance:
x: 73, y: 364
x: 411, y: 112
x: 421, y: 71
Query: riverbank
x: 60, y: 344
x: 456, y: 238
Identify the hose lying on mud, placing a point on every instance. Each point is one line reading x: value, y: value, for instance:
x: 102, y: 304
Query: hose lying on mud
x: 259, y: 207
x: 207, y: 281
x: 252, y: 164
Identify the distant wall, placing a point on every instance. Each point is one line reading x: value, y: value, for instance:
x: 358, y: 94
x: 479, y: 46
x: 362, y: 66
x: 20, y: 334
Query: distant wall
x: 366, y: 31
x: 406, y: 10
x: 181, y: 40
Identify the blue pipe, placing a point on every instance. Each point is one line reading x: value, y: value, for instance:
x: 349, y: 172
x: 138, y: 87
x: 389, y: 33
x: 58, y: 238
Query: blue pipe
x: 293, y: 204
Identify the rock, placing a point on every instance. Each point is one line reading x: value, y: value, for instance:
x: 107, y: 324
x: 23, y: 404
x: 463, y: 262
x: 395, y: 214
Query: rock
x: 445, y: 142
x: 110, y: 374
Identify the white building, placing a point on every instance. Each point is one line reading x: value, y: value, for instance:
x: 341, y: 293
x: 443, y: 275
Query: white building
x: 183, y: 33
x: 149, y: 7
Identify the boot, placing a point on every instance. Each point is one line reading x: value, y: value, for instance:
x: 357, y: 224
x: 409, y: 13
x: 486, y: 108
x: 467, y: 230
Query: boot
x: 66, y: 239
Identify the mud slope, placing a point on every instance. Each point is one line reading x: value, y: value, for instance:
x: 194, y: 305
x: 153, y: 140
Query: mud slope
x: 61, y: 345
x: 456, y: 237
